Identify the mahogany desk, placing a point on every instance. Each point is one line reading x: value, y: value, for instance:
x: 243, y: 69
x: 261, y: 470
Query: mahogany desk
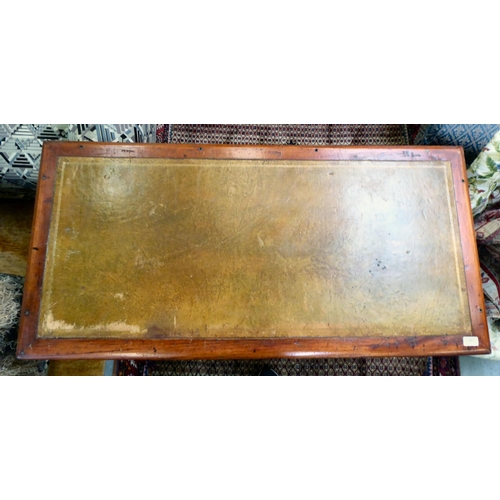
x: 198, y: 252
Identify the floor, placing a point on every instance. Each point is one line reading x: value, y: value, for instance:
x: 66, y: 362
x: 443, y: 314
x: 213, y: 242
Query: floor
x: 473, y: 366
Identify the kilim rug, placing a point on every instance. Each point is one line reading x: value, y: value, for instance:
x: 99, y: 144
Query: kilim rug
x: 294, y: 367
x: 21, y: 146
x: 334, y: 135
x: 314, y: 135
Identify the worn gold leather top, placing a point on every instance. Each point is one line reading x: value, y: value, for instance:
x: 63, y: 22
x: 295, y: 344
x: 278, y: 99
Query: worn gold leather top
x: 252, y: 249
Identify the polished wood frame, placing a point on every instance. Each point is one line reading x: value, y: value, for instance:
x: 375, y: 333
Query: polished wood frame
x: 32, y: 347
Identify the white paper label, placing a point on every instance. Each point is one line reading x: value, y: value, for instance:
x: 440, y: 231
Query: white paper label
x: 471, y: 341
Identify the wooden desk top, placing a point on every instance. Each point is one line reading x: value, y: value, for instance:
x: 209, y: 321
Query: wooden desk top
x: 168, y: 251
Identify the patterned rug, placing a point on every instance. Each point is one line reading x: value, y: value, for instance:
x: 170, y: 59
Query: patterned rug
x: 314, y: 135
x: 21, y: 146
x: 335, y: 135
x: 294, y: 367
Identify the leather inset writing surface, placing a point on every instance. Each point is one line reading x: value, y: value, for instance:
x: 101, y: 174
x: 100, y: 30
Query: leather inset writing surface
x: 142, y: 248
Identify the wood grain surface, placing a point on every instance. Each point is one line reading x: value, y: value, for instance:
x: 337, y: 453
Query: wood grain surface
x: 168, y: 251
x: 16, y: 217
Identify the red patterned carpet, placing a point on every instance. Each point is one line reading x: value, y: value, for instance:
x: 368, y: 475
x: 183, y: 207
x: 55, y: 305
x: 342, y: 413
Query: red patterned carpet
x: 314, y: 135
x: 294, y: 367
